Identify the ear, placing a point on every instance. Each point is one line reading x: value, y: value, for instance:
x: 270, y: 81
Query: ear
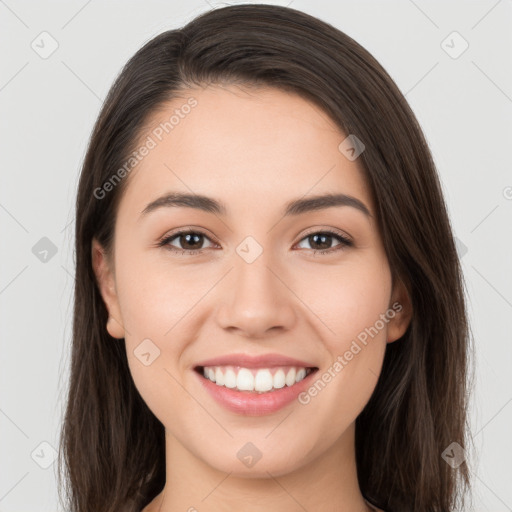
x: 401, y: 304
x: 107, y: 286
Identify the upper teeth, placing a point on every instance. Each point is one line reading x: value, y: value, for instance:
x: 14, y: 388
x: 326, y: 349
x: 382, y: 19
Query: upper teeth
x: 260, y: 380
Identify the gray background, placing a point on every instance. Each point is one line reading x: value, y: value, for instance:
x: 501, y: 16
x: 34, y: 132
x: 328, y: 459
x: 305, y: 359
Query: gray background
x: 48, y: 106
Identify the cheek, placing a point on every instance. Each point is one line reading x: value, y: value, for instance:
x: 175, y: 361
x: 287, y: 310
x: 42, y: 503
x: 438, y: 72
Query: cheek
x: 354, y: 334
x: 154, y: 313
x: 348, y: 300
x: 153, y: 296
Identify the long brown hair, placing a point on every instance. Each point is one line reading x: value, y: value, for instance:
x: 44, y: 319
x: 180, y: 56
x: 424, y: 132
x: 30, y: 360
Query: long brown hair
x: 112, y: 446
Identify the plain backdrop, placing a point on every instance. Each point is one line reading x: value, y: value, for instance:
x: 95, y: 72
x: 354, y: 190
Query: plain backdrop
x: 458, y: 84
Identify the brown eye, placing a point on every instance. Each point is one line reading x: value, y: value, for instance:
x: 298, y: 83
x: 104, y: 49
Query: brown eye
x: 321, y: 241
x: 191, y: 242
x: 187, y: 241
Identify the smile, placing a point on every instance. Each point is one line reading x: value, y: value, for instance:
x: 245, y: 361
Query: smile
x: 260, y: 380
x: 254, y: 391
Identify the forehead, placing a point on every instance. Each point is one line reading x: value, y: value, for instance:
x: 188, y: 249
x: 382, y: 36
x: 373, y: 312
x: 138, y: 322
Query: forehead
x: 252, y: 148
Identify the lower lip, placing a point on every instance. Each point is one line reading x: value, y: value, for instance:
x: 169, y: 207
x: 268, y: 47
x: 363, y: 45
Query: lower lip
x: 255, y: 404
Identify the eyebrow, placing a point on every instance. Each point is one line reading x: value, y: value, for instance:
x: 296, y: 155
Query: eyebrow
x: 292, y: 208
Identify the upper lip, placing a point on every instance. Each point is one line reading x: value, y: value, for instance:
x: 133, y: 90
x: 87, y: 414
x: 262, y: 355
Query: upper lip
x: 248, y: 361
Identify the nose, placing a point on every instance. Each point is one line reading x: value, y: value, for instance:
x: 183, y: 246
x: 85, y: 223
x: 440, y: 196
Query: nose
x: 255, y: 300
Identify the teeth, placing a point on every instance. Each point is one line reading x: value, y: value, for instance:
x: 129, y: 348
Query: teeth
x: 259, y: 380
x: 245, y: 380
x: 300, y: 374
x: 230, y: 379
x: 263, y: 381
x: 290, y: 377
x: 279, y: 379
x: 219, y: 377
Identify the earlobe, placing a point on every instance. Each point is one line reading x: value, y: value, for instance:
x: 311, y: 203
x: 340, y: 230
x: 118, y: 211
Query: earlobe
x: 114, y: 328
x: 106, y: 284
x: 401, y: 304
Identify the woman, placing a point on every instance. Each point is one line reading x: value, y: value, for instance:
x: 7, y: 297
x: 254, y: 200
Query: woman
x: 269, y: 308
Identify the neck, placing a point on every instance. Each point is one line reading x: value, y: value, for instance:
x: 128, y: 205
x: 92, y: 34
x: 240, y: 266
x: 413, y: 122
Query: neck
x: 322, y: 483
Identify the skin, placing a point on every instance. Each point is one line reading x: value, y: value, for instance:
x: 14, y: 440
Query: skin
x: 250, y: 148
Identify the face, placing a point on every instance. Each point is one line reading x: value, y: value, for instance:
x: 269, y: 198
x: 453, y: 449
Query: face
x: 250, y: 279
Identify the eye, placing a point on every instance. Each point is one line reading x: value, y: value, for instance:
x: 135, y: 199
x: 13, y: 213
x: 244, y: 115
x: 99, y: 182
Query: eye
x: 191, y: 241
x: 324, y: 238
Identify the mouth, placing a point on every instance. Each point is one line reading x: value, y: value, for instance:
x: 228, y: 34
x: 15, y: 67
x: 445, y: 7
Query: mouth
x: 254, y: 385
x: 255, y: 381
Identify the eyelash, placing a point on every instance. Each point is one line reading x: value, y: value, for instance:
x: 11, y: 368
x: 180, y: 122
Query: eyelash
x: 344, y: 242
